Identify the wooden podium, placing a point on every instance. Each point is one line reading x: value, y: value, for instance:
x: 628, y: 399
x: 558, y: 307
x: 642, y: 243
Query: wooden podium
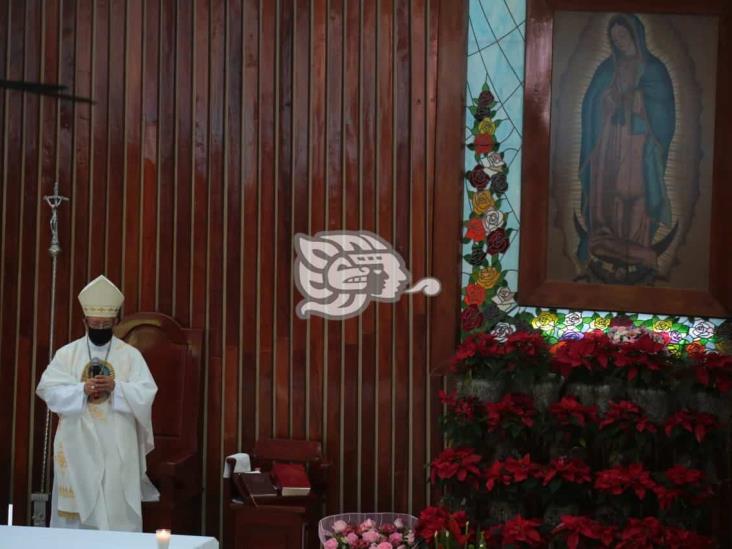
x: 278, y: 522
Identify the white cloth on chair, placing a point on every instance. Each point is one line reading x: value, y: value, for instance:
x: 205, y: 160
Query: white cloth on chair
x: 242, y: 464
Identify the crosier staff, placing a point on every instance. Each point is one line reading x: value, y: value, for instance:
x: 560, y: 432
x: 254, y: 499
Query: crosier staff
x: 40, y: 499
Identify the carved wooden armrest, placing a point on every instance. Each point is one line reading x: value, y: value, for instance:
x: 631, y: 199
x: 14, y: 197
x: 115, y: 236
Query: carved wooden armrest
x: 179, y: 475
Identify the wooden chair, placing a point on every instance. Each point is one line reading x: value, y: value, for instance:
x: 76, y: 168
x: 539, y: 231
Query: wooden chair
x: 173, y: 355
x: 281, y: 521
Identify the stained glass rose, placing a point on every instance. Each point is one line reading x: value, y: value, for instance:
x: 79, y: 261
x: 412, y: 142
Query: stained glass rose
x: 488, y: 277
x: 478, y: 178
x: 482, y: 202
x: 492, y: 220
x: 497, y: 242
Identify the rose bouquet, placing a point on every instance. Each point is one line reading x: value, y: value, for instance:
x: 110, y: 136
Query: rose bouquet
x: 368, y: 531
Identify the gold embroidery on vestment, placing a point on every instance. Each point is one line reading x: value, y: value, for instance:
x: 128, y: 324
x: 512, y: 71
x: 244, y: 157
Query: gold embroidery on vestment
x: 66, y: 492
x: 67, y: 515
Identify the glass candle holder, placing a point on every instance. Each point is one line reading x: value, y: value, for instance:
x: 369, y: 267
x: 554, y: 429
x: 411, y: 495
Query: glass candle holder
x: 163, y: 538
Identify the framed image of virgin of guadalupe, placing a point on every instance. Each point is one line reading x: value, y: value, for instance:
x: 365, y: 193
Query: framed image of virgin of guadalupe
x: 626, y: 198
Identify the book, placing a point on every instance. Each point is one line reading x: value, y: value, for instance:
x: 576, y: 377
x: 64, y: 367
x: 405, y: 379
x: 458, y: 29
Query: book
x: 258, y: 484
x: 291, y: 478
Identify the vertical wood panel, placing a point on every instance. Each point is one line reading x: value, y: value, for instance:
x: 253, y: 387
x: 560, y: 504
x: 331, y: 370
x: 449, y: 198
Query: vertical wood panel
x: 384, y: 227
x: 351, y: 211
x: 219, y: 131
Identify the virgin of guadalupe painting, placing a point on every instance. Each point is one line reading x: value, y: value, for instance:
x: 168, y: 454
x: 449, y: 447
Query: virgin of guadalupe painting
x: 631, y: 148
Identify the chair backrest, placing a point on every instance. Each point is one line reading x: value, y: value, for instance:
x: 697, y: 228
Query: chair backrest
x: 289, y: 450
x: 173, y: 355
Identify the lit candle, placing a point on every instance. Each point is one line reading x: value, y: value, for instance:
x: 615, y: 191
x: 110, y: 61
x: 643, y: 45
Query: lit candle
x: 163, y: 537
x: 10, y: 514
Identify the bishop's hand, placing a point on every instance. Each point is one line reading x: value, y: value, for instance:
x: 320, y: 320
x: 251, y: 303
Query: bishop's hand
x: 103, y: 384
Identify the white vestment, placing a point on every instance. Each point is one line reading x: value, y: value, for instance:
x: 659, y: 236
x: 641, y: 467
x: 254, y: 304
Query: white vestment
x: 99, y: 450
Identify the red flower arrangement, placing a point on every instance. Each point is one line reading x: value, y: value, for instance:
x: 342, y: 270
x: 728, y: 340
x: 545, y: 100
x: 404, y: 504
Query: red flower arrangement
x: 643, y: 360
x: 570, y: 411
x: 575, y: 528
x: 645, y: 533
x: 463, y: 408
x: 511, y: 412
x: 713, y: 371
x: 485, y: 355
x: 585, y: 357
x: 678, y: 538
x: 618, y: 480
x: 520, y: 531
x: 433, y: 520
x: 687, y: 484
x: 574, y: 470
x: 627, y: 416
x: 699, y: 424
x: 510, y: 472
x: 458, y: 463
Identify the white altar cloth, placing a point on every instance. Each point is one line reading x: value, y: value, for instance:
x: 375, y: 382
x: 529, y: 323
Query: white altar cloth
x: 25, y: 537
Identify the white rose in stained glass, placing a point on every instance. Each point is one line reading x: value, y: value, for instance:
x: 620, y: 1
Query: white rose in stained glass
x: 504, y: 299
x: 502, y: 330
x: 492, y: 163
x: 573, y: 319
x: 702, y: 329
x: 492, y: 220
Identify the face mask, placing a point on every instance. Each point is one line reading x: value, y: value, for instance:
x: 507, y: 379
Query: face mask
x: 99, y: 336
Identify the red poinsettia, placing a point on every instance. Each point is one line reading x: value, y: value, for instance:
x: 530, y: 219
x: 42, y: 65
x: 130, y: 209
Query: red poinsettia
x: 687, y: 483
x: 574, y: 528
x: 515, y: 408
x: 571, y: 470
x: 645, y: 533
x: 678, y: 538
x: 522, y: 531
x: 570, y: 411
x: 589, y: 354
x: 526, y: 344
x: 458, y: 463
x: 464, y: 408
x: 510, y: 471
x: 644, y: 353
x: 666, y: 496
x: 617, y: 480
x: 680, y: 475
x: 626, y: 415
x: 432, y: 519
x: 436, y: 519
x: 528, y: 350
x: 700, y: 424
x: 713, y: 370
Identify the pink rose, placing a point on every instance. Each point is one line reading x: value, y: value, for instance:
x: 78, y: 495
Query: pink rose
x: 352, y: 539
x: 368, y: 524
x: 332, y: 543
x: 395, y: 538
x: 372, y: 536
x: 399, y: 523
x: 339, y: 526
x: 384, y: 545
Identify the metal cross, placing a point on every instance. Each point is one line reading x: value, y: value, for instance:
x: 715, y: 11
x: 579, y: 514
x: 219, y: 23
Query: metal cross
x: 54, y: 201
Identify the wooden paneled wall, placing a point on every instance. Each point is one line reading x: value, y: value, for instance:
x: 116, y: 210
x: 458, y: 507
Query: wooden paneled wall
x: 221, y: 128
